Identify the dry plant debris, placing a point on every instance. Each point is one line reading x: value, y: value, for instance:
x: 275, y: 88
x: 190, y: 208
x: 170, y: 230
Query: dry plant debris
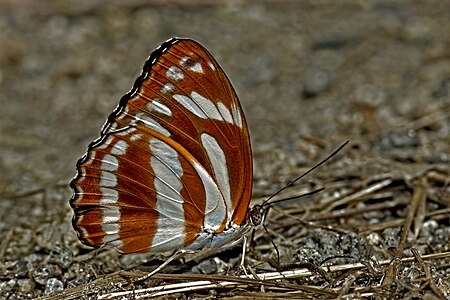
x: 381, y: 235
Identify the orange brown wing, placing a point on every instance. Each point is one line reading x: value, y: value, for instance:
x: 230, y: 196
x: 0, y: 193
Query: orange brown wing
x: 173, y: 160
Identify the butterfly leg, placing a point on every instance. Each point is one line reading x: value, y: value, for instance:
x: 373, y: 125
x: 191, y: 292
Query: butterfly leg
x: 177, y: 254
x: 244, y: 249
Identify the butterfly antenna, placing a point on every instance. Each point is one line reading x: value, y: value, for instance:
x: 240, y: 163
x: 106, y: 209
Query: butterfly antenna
x: 266, y: 202
x: 295, y: 197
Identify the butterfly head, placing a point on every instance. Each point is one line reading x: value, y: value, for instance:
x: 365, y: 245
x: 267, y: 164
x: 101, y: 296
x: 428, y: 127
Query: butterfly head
x: 257, y: 214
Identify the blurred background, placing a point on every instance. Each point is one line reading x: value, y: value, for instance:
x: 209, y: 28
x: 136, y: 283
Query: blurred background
x: 309, y: 74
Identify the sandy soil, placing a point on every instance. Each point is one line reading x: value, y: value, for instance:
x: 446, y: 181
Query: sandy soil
x: 310, y: 75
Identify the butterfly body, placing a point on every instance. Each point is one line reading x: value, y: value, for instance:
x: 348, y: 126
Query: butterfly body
x: 172, y: 168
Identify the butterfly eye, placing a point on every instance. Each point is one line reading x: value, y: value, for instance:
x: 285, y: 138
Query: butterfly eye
x: 172, y: 168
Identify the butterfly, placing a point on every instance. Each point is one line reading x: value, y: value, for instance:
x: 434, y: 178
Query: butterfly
x: 172, y: 168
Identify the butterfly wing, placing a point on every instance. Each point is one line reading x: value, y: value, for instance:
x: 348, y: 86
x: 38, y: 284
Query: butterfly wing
x: 173, y: 159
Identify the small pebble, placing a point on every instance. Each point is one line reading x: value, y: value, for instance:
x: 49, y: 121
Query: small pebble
x: 53, y: 285
x: 42, y: 273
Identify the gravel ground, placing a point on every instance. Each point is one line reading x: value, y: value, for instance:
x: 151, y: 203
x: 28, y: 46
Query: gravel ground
x: 310, y: 75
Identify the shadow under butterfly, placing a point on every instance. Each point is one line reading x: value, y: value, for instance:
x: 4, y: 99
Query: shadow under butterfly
x: 172, y: 168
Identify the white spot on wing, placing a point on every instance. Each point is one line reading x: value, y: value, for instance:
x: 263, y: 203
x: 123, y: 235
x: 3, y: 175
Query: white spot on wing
x: 111, y: 214
x: 109, y: 163
x: 108, y: 179
x: 167, y: 163
x: 211, y: 65
x: 207, y: 106
x: 124, y: 131
x: 167, y: 88
x: 225, y: 113
x: 110, y: 226
x: 204, y: 108
x: 219, y: 164
x: 184, y: 60
x: 109, y: 196
x: 174, y: 73
x: 119, y: 148
x: 148, y: 121
x: 159, y: 107
x: 191, y: 65
x: 169, y: 202
x: 190, y: 105
x: 136, y: 136
x: 197, y: 67
x: 215, y: 210
x: 236, y: 115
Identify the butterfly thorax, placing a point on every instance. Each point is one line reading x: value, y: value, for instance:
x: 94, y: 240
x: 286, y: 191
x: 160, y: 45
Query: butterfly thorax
x: 231, y: 233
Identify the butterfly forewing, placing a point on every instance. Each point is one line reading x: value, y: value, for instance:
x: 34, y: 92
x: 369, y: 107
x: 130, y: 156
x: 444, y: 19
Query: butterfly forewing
x: 172, y: 161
